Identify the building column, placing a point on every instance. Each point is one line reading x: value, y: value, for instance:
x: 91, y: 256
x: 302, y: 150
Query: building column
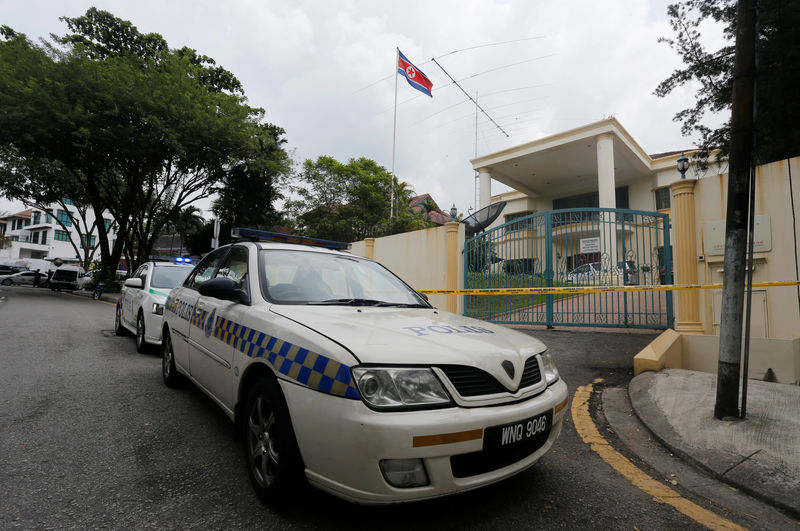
x: 485, y: 180
x: 369, y: 248
x: 685, y: 247
x: 606, y: 185
x: 452, y: 264
x: 606, y: 189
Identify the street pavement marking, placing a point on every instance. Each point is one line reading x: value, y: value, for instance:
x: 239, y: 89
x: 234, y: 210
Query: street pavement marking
x: 660, y: 492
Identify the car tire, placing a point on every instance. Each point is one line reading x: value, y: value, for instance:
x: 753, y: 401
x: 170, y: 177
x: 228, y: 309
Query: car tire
x: 270, y: 449
x: 141, y: 344
x: 168, y: 371
x: 118, y: 328
x: 7, y: 282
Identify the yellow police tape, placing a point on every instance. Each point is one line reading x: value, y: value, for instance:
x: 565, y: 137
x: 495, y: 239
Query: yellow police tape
x: 560, y: 290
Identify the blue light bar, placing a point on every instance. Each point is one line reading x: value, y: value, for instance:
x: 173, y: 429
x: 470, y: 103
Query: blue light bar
x: 240, y: 233
x: 175, y: 259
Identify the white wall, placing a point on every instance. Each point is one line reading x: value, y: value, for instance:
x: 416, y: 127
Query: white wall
x: 420, y: 259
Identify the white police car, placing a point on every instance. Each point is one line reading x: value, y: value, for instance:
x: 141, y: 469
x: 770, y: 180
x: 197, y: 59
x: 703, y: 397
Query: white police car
x: 140, y: 308
x: 332, y: 367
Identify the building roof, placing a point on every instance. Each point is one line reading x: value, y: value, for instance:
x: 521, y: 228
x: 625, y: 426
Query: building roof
x: 668, y: 154
x: 425, y: 203
x: 25, y: 214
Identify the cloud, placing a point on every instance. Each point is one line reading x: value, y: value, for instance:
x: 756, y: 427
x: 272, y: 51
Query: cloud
x: 324, y: 72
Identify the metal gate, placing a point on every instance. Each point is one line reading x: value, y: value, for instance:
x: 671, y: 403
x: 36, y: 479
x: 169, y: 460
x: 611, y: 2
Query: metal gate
x: 573, y: 247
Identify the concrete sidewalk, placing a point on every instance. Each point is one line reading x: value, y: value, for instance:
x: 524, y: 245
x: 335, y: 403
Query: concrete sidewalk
x: 759, y: 455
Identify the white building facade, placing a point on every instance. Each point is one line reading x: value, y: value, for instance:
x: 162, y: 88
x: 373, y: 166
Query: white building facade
x: 51, y: 234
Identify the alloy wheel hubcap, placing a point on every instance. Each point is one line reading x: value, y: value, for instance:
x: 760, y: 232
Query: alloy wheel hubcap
x: 263, y: 442
x: 167, y: 357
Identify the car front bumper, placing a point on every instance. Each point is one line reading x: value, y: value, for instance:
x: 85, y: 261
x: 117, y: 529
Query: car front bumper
x: 342, y: 442
x: 153, y: 325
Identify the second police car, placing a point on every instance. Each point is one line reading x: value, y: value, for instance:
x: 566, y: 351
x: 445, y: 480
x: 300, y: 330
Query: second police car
x: 140, y: 309
x: 333, y: 368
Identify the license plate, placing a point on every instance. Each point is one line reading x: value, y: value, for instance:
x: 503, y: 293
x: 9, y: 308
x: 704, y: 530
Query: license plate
x: 533, y: 430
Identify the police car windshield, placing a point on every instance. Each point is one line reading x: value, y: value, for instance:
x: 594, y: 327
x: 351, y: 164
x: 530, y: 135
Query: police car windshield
x: 304, y: 277
x: 168, y: 277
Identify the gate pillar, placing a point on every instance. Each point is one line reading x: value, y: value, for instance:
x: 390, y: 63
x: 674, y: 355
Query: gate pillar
x: 452, y: 264
x: 683, y: 221
x: 369, y: 247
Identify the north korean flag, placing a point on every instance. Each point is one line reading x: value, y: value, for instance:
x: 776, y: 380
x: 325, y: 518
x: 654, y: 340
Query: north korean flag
x: 414, y: 75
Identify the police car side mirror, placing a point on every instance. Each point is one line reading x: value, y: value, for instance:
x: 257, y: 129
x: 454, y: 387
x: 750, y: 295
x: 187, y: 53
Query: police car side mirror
x: 133, y: 283
x: 224, y: 289
x: 423, y: 296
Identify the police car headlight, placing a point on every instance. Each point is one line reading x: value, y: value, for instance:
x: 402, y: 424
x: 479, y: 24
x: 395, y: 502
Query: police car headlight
x: 397, y: 388
x: 550, y: 369
x: 158, y: 309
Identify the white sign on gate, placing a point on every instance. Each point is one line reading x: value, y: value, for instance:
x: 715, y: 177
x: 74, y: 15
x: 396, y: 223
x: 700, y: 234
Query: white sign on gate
x: 590, y: 245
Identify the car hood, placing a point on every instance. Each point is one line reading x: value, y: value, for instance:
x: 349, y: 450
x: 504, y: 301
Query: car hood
x: 418, y: 337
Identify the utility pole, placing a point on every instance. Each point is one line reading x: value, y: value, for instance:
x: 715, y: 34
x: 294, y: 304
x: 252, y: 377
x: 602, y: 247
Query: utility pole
x: 739, y: 175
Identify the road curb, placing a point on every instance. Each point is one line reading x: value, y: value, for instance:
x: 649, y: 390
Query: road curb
x: 717, y: 463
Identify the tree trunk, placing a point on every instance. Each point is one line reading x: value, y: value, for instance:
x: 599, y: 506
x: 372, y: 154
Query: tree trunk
x: 730, y: 342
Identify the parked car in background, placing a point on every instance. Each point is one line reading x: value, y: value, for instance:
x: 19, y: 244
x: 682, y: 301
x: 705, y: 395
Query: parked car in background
x: 585, y: 274
x: 627, y: 270
x: 23, y: 278
x: 66, y: 278
x: 10, y: 269
x: 662, y: 275
x: 140, y: 309
x: 85, y: 280
x: 593, y: 274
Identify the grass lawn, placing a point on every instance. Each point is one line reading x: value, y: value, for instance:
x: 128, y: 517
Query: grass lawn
x: 483, y: 306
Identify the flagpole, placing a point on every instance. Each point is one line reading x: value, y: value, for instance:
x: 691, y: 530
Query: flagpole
x: 394, y: 128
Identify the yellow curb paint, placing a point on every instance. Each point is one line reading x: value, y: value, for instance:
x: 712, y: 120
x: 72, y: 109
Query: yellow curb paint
x: 663, y: 494
x: 570, y: 290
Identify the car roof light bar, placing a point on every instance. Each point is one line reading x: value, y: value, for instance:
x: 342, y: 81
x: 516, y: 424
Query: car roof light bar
x: 240, y: 233
x: 171, y: 259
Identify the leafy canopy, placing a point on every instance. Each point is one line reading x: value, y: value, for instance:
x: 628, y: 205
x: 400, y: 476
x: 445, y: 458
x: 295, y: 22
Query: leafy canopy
x: 350, y: 202
x: 711, y: 71
x: 120, y: 121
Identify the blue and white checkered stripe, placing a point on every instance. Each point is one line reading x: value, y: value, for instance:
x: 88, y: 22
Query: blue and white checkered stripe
x: 300, y: 364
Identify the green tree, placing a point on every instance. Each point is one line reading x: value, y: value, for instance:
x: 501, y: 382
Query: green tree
x: 711, y: 71
x: 248, y: 191
x: 141, y: 130
x: 187, y: 221
x: 350, y: 202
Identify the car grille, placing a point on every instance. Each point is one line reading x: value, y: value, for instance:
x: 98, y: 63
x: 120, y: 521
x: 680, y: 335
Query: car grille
x: 471, y: 381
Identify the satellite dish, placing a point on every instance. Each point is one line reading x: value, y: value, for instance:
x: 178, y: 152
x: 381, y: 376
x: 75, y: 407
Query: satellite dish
x: 482, y: 218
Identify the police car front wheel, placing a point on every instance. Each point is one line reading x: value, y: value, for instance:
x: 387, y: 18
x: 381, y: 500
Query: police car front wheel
x: 141, y: 344
x: 118, y: 328
x: 271, y: 453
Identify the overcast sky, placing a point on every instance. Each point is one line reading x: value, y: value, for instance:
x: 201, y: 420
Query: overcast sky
x: 323, y: 70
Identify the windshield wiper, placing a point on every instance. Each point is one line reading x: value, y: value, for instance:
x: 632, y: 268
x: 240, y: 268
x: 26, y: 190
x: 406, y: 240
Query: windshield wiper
x: 346, y: 302
x: 364, y: 302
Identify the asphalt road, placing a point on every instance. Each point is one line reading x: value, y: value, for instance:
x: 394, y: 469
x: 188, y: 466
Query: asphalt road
x: 91, y: 438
